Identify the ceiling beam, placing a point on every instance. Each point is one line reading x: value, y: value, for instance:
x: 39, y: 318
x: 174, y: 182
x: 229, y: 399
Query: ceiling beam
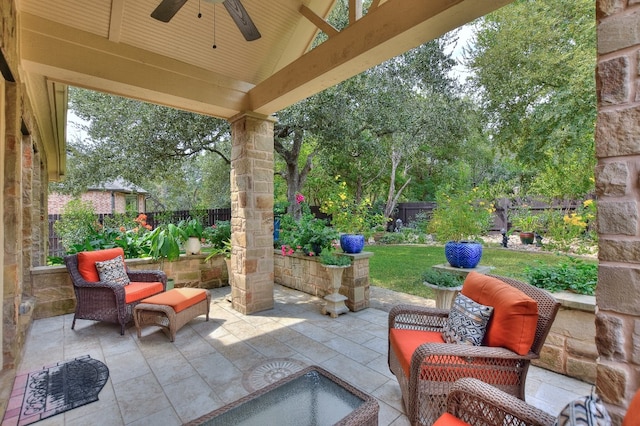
x: 393, y: 28
x: 83, y: 59
x: 115, y: 20
x: 355, y: 10
x: 322, y: 25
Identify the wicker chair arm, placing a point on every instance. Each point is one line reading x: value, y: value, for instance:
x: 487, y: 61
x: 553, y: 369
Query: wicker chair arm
x: 474, y: 401
x: 416, y: 317
x: 148, y: 276
x: 117, y: 289
x: 468, y: 352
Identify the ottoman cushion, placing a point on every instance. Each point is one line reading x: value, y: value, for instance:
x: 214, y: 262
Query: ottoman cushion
x: 178, y: 298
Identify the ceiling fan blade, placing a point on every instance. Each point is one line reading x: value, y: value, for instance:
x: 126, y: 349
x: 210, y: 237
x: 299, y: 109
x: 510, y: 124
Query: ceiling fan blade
x: 242, y: 20
x: 167, y: 9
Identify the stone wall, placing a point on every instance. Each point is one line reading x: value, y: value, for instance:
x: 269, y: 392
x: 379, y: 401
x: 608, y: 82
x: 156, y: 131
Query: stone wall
x: 618, y: 191
x: 570, y: 347
x: 54, y: 292
x: 307, y: 274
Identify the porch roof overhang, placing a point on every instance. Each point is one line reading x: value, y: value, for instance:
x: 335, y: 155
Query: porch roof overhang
x: 116, y: 47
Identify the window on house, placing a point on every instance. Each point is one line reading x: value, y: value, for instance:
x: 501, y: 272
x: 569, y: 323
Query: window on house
x: 131, y: 202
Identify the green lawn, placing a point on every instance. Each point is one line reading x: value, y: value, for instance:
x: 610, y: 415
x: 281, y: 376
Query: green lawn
x: 399, y: 267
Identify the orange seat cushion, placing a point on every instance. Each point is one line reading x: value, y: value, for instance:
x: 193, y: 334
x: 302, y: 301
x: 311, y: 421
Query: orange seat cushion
x: 405, y: 342
x: 632, y: 418
x: 178, y: 298
x: 87, y: 262
x: 139, y: 290
x: 449, y: 420
x: 515, y: 315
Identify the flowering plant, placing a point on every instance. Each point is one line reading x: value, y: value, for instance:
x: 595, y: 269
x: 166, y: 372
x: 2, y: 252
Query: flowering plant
x: 460, y: 215
x: 524, y: 221
x: 307, y: 234
x: 349, y: 216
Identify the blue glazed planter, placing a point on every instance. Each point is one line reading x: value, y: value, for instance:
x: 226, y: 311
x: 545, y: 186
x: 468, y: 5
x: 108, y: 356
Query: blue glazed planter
x: 463, y: 254
x: 276, y: 230
x: 351, y: 243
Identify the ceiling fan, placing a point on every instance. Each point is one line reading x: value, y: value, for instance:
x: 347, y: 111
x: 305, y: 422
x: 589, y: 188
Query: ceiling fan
x: 168, y: 8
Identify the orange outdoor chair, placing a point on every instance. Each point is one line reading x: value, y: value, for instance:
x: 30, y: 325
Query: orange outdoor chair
x: 426, y: 367
x: 109, y: 300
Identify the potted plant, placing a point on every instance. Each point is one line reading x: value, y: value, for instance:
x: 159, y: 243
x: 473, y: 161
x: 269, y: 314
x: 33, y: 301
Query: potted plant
x: 191, y: 232
x: 353, y: 219
x: 526, y: 224
x: 335, y: 264
x: 445, y: 285
x: 218, y: 236
x: 307, y: 234
x: 459, y: 219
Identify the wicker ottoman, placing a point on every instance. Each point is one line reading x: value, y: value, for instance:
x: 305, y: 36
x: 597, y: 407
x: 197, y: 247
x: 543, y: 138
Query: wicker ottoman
x: 172, y: 309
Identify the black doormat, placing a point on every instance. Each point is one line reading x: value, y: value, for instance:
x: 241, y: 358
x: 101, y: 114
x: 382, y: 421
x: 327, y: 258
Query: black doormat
x: 55, y: 389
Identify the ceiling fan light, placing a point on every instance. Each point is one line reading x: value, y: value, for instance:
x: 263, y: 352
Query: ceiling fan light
x: 214, y: 1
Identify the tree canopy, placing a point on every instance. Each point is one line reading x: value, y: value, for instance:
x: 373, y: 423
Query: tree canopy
x: 532, y: 66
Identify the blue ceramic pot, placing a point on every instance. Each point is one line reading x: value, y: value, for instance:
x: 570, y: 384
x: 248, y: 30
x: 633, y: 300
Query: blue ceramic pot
x: 463, y: 254
x: 276, y: 230
x: 351, y: 243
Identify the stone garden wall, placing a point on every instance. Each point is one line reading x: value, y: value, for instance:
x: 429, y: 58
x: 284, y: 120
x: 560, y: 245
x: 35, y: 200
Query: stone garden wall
x: 307, y: 274
x: 570, y: 348
x: 54, y: 294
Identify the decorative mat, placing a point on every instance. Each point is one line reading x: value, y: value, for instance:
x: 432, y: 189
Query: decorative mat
x: 54, y: 390
x: 269, y: 371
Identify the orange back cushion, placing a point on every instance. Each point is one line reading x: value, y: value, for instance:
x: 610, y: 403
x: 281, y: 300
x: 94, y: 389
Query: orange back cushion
x: 87, y: 262
x: 632, y: 418
x: 515, y: 315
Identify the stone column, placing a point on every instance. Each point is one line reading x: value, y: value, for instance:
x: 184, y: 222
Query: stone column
x: 27, y: 213
x: 618, y: 190
x: 12, y: 268
x: 252, y: 213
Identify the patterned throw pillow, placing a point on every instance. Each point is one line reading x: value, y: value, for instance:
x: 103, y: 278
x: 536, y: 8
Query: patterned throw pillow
x: 584, y: 411
x: 467, y: 322
x: 113, y: 271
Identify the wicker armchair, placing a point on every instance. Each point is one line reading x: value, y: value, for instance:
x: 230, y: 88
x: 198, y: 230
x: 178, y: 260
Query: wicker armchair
x: 434, y: 367
x: 478, y: 403
x: 111, y: 302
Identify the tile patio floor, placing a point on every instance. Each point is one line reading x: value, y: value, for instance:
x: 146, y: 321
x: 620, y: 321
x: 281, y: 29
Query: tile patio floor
x: 155, y: 382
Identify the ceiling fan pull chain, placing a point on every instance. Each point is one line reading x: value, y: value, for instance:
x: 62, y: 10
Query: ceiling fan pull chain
x: 199, y: 14
x: 214, y: 27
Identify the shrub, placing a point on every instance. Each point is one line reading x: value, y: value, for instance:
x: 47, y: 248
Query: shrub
x: 392, y: 238
x: 574, y: 275
x: 441, y: 278
x: 78, y: 222
x: 218, y: 234
x: 571, y: 230
x: 461, y: 214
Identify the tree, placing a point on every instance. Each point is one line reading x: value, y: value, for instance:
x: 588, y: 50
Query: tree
x: 532, y: 64
x: 160, y: 149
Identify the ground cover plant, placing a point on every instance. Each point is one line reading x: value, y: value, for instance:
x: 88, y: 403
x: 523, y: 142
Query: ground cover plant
x: 400, y: 267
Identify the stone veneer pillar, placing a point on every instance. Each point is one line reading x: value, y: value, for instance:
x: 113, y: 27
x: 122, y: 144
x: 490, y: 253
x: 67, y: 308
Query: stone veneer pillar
x: 252, y: 213
x: 618, y: 190
x: 12, y: 218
